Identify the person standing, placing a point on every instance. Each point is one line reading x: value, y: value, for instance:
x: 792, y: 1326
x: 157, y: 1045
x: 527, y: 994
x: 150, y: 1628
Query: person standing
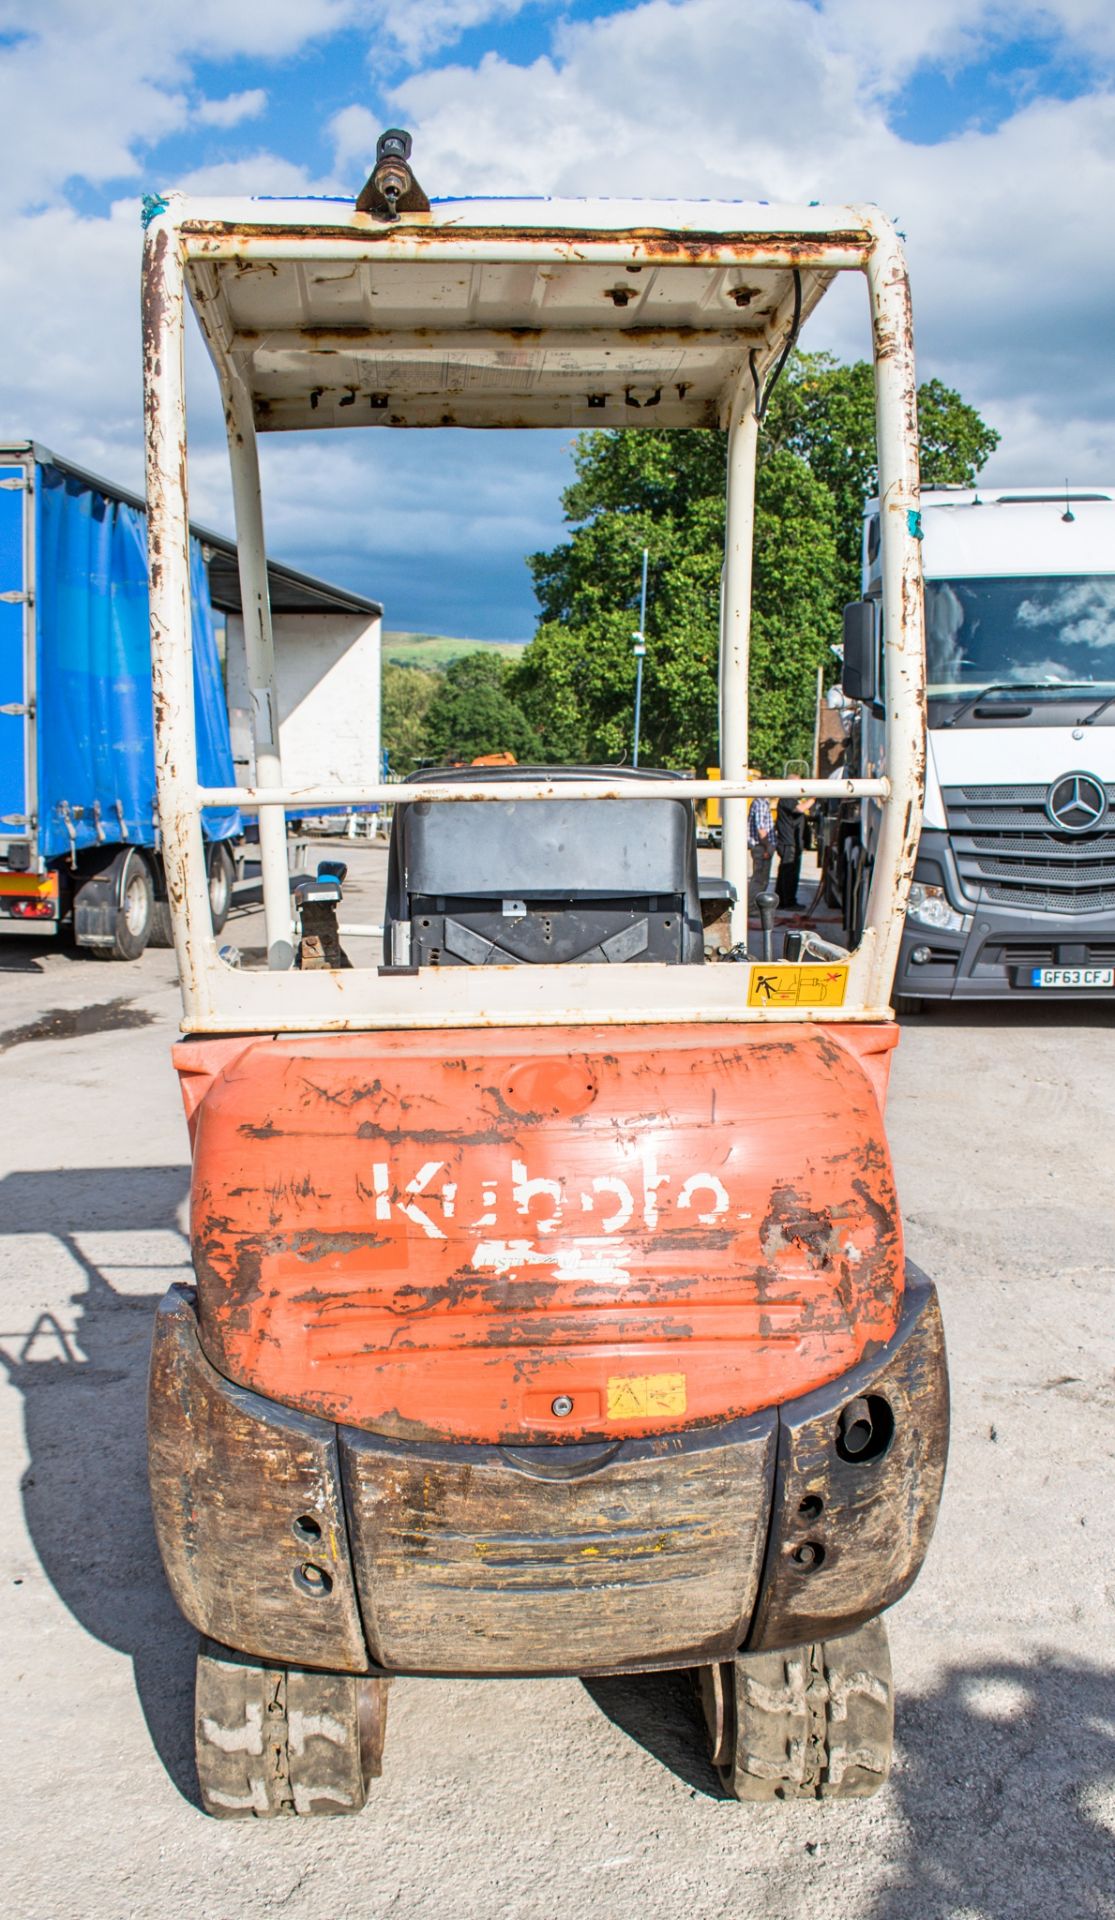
x: 760, y: 842
x: 789, y: 839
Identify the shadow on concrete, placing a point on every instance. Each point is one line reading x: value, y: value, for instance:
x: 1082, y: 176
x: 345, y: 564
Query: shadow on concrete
x: 1003, y: 1786
x: 989, y: 1016
x: 18, y: 956
x: 20, y: 953
x: 662, y: 1713
x: 999, y: 1782
x: 85, y: 1490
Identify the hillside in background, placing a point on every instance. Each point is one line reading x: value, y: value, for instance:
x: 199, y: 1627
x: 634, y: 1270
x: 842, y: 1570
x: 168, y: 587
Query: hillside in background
x: 433, y: 650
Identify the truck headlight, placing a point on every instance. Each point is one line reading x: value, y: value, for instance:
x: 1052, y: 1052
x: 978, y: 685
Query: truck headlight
x: 930, y: 906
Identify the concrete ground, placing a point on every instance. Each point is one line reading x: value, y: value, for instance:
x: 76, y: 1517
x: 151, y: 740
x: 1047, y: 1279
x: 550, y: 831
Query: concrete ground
x: 540, y: 1800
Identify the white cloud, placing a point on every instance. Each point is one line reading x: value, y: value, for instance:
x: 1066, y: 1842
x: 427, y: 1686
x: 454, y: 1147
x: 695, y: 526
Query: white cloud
x: 1012, y: 295
x: 403, y: 494
x: 441, y: 519
x: 70, y: 370
x: 796, y: 99
x: 424, y: 26
x: 254, y: 173
x: 354, y: 132
x: 83, y: 92
x: 233, y: 109
x: 888, y: 43
x: 1088, y: 25
x: 670, y: 97
x: 206, y: 29
x: 85, y: 88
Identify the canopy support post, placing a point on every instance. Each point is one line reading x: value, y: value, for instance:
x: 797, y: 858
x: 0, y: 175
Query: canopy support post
x: 172, y: 664
x: 259, y: 650
x: 896, y: 425
x: 735, y: 638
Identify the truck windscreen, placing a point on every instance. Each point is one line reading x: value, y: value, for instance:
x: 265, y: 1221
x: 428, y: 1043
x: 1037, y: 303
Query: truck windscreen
x: 1053, y: 629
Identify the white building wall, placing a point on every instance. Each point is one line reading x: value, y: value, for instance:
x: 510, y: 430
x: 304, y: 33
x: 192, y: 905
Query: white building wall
x: 327, y: 671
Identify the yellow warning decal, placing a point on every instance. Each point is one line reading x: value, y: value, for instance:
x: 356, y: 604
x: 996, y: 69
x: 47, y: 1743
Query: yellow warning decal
x: 797, y: 986
x: 644, y: 1396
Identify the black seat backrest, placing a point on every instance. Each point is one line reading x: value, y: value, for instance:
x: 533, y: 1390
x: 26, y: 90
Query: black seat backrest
x: 505, y: 882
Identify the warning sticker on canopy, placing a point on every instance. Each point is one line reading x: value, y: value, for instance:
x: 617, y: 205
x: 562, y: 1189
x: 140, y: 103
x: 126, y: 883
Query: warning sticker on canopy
x: 797, y: 986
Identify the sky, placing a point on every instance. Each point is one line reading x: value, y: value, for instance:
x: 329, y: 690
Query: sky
x: 985, y: 128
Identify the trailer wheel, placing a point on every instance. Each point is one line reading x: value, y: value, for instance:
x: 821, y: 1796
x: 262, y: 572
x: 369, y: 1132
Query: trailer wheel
x: 162, y: 933
x: 221, y: 874
x: 272, y: 1739
x: 134, y: 912
x: 809, y: 1723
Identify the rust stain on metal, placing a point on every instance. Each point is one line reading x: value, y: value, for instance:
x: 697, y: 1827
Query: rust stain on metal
x: 791, y: 1224
x: 336, y: 338
x: 653, y: 243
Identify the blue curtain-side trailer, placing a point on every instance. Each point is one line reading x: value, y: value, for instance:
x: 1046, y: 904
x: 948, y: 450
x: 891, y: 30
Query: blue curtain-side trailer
x: 79, y: 828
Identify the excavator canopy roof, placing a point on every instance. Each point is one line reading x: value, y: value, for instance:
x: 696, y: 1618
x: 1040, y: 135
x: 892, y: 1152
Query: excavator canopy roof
x: 507, y: 313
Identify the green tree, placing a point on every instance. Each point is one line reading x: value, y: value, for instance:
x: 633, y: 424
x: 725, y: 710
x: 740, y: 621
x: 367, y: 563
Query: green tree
x: 664, y: 490
x: 472, y: 712
x: 825, y: 411
x: 794, y: 617
x: 576, y: 680
x: 406, y: 693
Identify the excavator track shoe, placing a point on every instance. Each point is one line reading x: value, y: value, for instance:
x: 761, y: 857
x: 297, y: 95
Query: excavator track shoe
x: 805, y: 1723
x: 273, y: 1739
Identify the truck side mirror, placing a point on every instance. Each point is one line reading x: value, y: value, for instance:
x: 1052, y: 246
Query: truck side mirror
x: 860, y: 679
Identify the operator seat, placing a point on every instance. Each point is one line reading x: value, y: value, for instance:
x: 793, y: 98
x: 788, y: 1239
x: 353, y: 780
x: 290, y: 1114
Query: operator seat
x: 522, y: 882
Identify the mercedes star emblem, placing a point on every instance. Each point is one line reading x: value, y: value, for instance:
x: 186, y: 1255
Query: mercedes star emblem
x: 1076, y: 803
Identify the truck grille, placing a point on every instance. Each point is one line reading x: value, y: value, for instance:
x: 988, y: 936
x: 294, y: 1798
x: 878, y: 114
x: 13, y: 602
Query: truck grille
x: 1008, y: 854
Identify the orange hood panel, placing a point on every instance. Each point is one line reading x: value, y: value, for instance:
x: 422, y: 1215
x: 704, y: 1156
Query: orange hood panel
x: 542, y: 1235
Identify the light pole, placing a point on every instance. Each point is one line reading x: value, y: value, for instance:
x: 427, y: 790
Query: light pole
x: 640, y: 640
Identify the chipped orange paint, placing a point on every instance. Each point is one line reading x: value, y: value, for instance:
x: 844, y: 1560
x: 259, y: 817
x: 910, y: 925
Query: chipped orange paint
x: 450, y: 1235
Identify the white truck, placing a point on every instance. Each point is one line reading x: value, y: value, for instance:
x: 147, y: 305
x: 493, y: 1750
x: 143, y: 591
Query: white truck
x: 1014, y: 887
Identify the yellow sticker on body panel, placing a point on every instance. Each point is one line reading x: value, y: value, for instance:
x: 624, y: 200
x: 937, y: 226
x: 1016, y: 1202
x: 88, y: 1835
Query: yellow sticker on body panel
x: 644, y: 1396
x: 786, y: 985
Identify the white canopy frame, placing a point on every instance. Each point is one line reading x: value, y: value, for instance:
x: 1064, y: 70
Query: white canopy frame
x: 190, y: 245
